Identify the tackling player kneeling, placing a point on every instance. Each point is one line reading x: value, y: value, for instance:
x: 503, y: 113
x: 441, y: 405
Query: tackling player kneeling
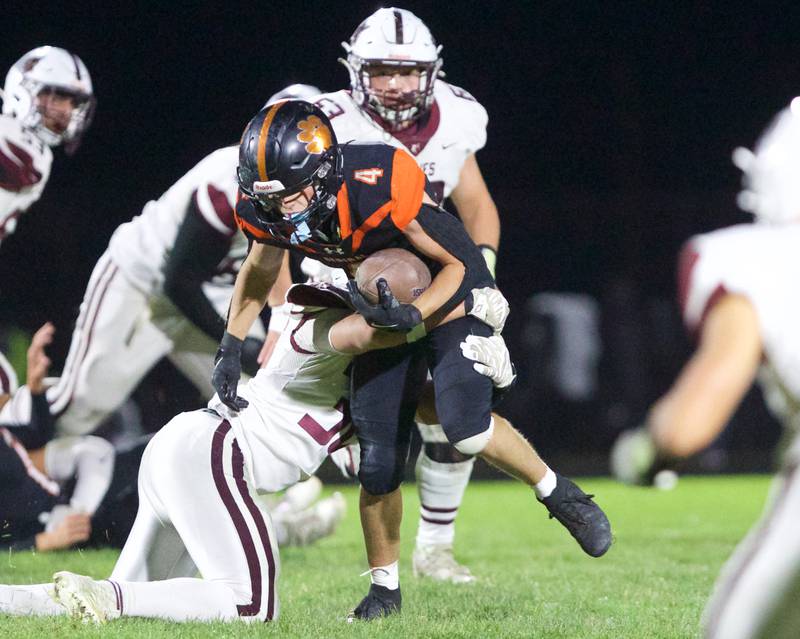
x: 202, y: 474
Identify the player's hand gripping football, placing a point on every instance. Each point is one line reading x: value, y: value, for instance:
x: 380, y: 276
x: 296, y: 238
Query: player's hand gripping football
x: 388, y: 313
x: 227, y: 371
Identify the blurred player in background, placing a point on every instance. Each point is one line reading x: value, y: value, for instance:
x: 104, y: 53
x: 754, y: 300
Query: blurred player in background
x: 58, y: 493
x: 162, y: 288
x: 738, y: 293
x: 397, y: 97
x: 47, y: 102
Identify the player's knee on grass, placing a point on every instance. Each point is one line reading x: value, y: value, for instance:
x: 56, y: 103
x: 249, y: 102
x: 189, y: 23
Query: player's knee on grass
x: 381, y: 468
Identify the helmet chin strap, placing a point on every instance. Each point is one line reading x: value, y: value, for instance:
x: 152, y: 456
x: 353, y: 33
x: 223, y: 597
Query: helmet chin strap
x: 301, y: 229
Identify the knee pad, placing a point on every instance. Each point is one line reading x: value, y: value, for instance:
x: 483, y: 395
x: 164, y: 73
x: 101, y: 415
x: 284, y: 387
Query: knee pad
x: 475, y: 444
x: 382, y: 468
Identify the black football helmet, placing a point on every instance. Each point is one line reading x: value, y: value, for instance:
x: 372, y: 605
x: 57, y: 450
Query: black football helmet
x: 286, y: 147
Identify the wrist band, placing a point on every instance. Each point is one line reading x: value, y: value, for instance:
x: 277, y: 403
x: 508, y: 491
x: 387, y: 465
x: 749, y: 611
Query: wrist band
x: 490, y: 256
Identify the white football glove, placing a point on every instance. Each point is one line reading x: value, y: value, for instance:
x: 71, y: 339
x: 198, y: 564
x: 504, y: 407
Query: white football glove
x: 491, y: 358
x: 490, y: 307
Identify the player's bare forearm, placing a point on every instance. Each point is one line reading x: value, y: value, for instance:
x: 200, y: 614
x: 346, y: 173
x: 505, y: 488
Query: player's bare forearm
x: 353, y: 335
x: 447, y: 281
x: 256, y: 277
x: 713, y: 382
x: 475, y: 206
x: 442, y: 288
x: 277, y: 294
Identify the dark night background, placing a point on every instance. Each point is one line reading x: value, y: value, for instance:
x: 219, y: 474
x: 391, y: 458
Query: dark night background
x: 610, y: 134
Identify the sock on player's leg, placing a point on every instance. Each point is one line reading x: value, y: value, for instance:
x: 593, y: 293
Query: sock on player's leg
x: 386, y: 576
x: 182, y: 599
x: 441, y: 489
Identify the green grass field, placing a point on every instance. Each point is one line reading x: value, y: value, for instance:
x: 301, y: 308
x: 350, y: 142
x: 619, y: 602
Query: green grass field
x: 533, y: 579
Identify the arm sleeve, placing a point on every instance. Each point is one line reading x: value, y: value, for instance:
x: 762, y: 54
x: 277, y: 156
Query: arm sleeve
x: 448, y: 231
x: 198, y: 249
x: 32, y: 423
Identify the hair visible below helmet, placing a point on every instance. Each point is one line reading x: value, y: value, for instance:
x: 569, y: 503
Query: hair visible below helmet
x: 397, y: 38
x: 294, y: 92
x: 771, y: 173
x: 286, y: 147
x: 50, y: 68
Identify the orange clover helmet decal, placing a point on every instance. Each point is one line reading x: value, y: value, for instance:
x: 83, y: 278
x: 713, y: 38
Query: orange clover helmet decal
x: 315, y: 133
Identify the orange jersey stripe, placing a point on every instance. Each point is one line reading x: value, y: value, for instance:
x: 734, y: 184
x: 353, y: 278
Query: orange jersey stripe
x: 373, y: 221
x: 249, y: 228
x: 343, y: 208
x: 408, y: 188
x: 262, y: 139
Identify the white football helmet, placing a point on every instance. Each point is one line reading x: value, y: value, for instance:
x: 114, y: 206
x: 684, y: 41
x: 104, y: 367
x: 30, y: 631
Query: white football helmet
x: 393, y: 37
x: 50, y: 69
x: 295, y: 92
x: 771, y: 177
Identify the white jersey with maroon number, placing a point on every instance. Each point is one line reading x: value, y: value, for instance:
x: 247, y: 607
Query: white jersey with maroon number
x: 455, y: 129
x: 140, y: 247
x: 761, y: 263
x: 298, y: 412
x: 25, y: 163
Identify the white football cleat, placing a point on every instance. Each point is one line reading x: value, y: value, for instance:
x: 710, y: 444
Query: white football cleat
x: 437, y: 563
x: 314, y: 523
x: 86, y: 599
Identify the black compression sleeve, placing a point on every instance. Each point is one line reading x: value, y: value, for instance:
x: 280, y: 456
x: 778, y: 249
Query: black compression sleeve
x: 451, y: 235
x: 198, y: 250
x: 41, y: 428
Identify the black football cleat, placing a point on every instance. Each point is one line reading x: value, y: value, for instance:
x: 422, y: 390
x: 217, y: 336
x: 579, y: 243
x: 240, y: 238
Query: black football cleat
x: 379, y: 602
x: 583, y: 518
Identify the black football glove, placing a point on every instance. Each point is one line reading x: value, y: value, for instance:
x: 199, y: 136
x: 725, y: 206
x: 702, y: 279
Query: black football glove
x: 388, y: 313
x: 227, y: 371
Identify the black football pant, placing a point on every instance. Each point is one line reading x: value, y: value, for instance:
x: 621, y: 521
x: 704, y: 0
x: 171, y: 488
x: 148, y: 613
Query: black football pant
x: 385, y: 390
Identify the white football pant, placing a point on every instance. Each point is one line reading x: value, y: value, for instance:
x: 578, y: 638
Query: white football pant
x: 198, y: 512
x: 758, y: 591
x: 120, y: 334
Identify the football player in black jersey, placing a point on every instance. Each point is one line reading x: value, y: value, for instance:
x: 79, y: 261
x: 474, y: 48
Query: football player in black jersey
x: 301, y: 190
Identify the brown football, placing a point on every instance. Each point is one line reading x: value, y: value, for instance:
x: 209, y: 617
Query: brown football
x: 405, y: 273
